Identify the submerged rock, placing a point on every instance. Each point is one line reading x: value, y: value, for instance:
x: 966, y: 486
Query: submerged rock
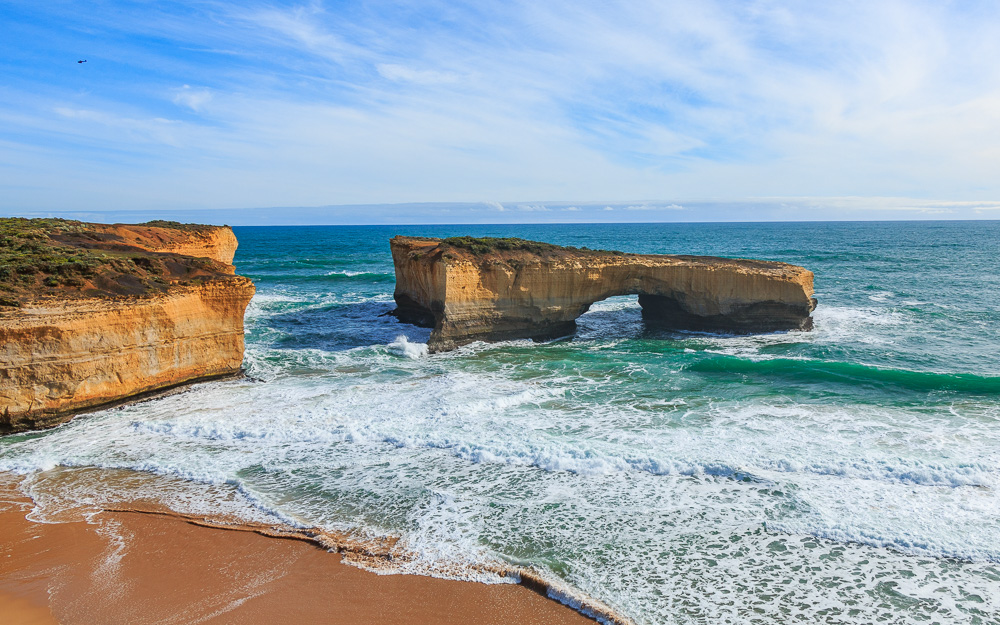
x: 470, y: 289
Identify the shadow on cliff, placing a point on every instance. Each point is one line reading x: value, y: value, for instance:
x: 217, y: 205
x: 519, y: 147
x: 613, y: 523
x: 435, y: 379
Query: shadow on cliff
x: 339, y: 327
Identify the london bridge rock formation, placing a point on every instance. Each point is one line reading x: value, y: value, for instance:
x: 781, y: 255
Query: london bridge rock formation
x: 498, y: 289
x: 92, y: 314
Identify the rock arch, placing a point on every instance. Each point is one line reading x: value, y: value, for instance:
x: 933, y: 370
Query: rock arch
x: 523, y: 289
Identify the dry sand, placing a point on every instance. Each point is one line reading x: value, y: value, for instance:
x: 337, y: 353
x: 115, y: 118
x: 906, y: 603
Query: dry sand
x: 133, y: 568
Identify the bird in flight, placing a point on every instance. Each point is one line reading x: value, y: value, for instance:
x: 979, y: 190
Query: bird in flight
x: 83, y: 61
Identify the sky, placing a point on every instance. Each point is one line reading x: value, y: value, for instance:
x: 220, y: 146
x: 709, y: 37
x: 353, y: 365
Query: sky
x: 500, y: 112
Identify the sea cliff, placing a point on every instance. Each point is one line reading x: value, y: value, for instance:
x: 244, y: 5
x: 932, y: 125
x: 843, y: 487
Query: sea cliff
x: 498, y: 289
x: 94, y: 314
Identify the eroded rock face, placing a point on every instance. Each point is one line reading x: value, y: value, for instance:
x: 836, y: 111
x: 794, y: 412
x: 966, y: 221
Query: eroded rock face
x: 67, y: 352
x: 56, y: 360
x: 505, y: 294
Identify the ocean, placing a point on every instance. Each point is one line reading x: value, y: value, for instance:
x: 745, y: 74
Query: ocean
x: 850, y: 474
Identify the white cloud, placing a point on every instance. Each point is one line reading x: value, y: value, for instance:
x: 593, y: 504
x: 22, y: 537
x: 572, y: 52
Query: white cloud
x: 306, y: 26
x: 192, y: 98
x: 120, y: 130
x: 898, y: 204
x: 393, y: 71
x: 654, y: 207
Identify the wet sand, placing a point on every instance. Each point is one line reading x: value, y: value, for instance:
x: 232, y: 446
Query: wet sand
x: 133, y: 568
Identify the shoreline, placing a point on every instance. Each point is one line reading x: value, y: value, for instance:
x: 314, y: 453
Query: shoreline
x: 186, y: 569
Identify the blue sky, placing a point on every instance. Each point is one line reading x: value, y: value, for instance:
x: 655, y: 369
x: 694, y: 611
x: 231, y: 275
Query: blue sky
x: 501, y: 112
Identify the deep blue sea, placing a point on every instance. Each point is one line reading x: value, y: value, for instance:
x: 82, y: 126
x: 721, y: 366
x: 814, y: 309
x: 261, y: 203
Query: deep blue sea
x: 850, y: 474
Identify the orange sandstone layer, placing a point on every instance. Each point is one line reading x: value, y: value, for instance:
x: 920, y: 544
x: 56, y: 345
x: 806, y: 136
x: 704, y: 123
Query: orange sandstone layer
x: 132, y: 568
x: 540, y: 290
x: 60, y: 358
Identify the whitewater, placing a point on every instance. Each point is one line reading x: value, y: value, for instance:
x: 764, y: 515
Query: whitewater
x: 844, y: 475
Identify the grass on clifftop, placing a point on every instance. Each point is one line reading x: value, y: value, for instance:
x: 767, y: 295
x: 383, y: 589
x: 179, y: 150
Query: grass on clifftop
x: 28, y: 256
x: 46, y: 257
x: 488, y: 245
x: 175, y: 225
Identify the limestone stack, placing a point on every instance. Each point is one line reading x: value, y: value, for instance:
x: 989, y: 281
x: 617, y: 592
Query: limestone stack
x: 469, y: 291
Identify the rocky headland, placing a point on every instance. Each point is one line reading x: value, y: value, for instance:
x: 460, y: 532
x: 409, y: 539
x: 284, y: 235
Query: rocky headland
x: 491, y: 289
x: 94, y: 314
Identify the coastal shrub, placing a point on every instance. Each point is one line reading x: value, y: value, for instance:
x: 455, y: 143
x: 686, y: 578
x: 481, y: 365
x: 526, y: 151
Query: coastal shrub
x: 173, y: 225
x: 487, y: 245
x: 33, y: 252
x: 75, y: 267
x: 37, y: 253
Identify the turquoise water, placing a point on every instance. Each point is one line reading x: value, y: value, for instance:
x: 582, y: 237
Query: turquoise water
x: 844, y: 475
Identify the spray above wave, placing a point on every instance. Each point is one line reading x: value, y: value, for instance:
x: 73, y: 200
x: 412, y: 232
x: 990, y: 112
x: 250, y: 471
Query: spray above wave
x: 404, y: 347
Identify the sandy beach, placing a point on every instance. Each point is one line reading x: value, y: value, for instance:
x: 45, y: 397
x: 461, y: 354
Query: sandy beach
x: 135, y: 567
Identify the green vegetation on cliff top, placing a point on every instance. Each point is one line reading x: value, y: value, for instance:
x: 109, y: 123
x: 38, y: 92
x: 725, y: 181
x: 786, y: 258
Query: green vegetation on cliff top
x: 487, y: 245
x: 175, y: 225
x: 40, y: 257
x: 28, y: 257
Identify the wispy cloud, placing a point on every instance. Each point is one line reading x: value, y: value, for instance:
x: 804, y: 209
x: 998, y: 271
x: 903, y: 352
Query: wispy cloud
x: 193, y: 98
x: 309, y: 27
x: 647, y: 206
x: 396, y: 72
x: 292, y: 103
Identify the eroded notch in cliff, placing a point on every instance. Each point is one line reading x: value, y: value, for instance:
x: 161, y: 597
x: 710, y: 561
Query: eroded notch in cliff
x: 410, y: 311
x: 671, y: 312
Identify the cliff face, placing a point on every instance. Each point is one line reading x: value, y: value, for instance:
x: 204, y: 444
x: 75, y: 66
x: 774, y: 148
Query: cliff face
x: 56, y: 359
x: 525, y: 293
x: 143, y: 314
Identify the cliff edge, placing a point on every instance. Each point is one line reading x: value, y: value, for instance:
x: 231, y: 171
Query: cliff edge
x: 94, y: 314
x: 489, y: 289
